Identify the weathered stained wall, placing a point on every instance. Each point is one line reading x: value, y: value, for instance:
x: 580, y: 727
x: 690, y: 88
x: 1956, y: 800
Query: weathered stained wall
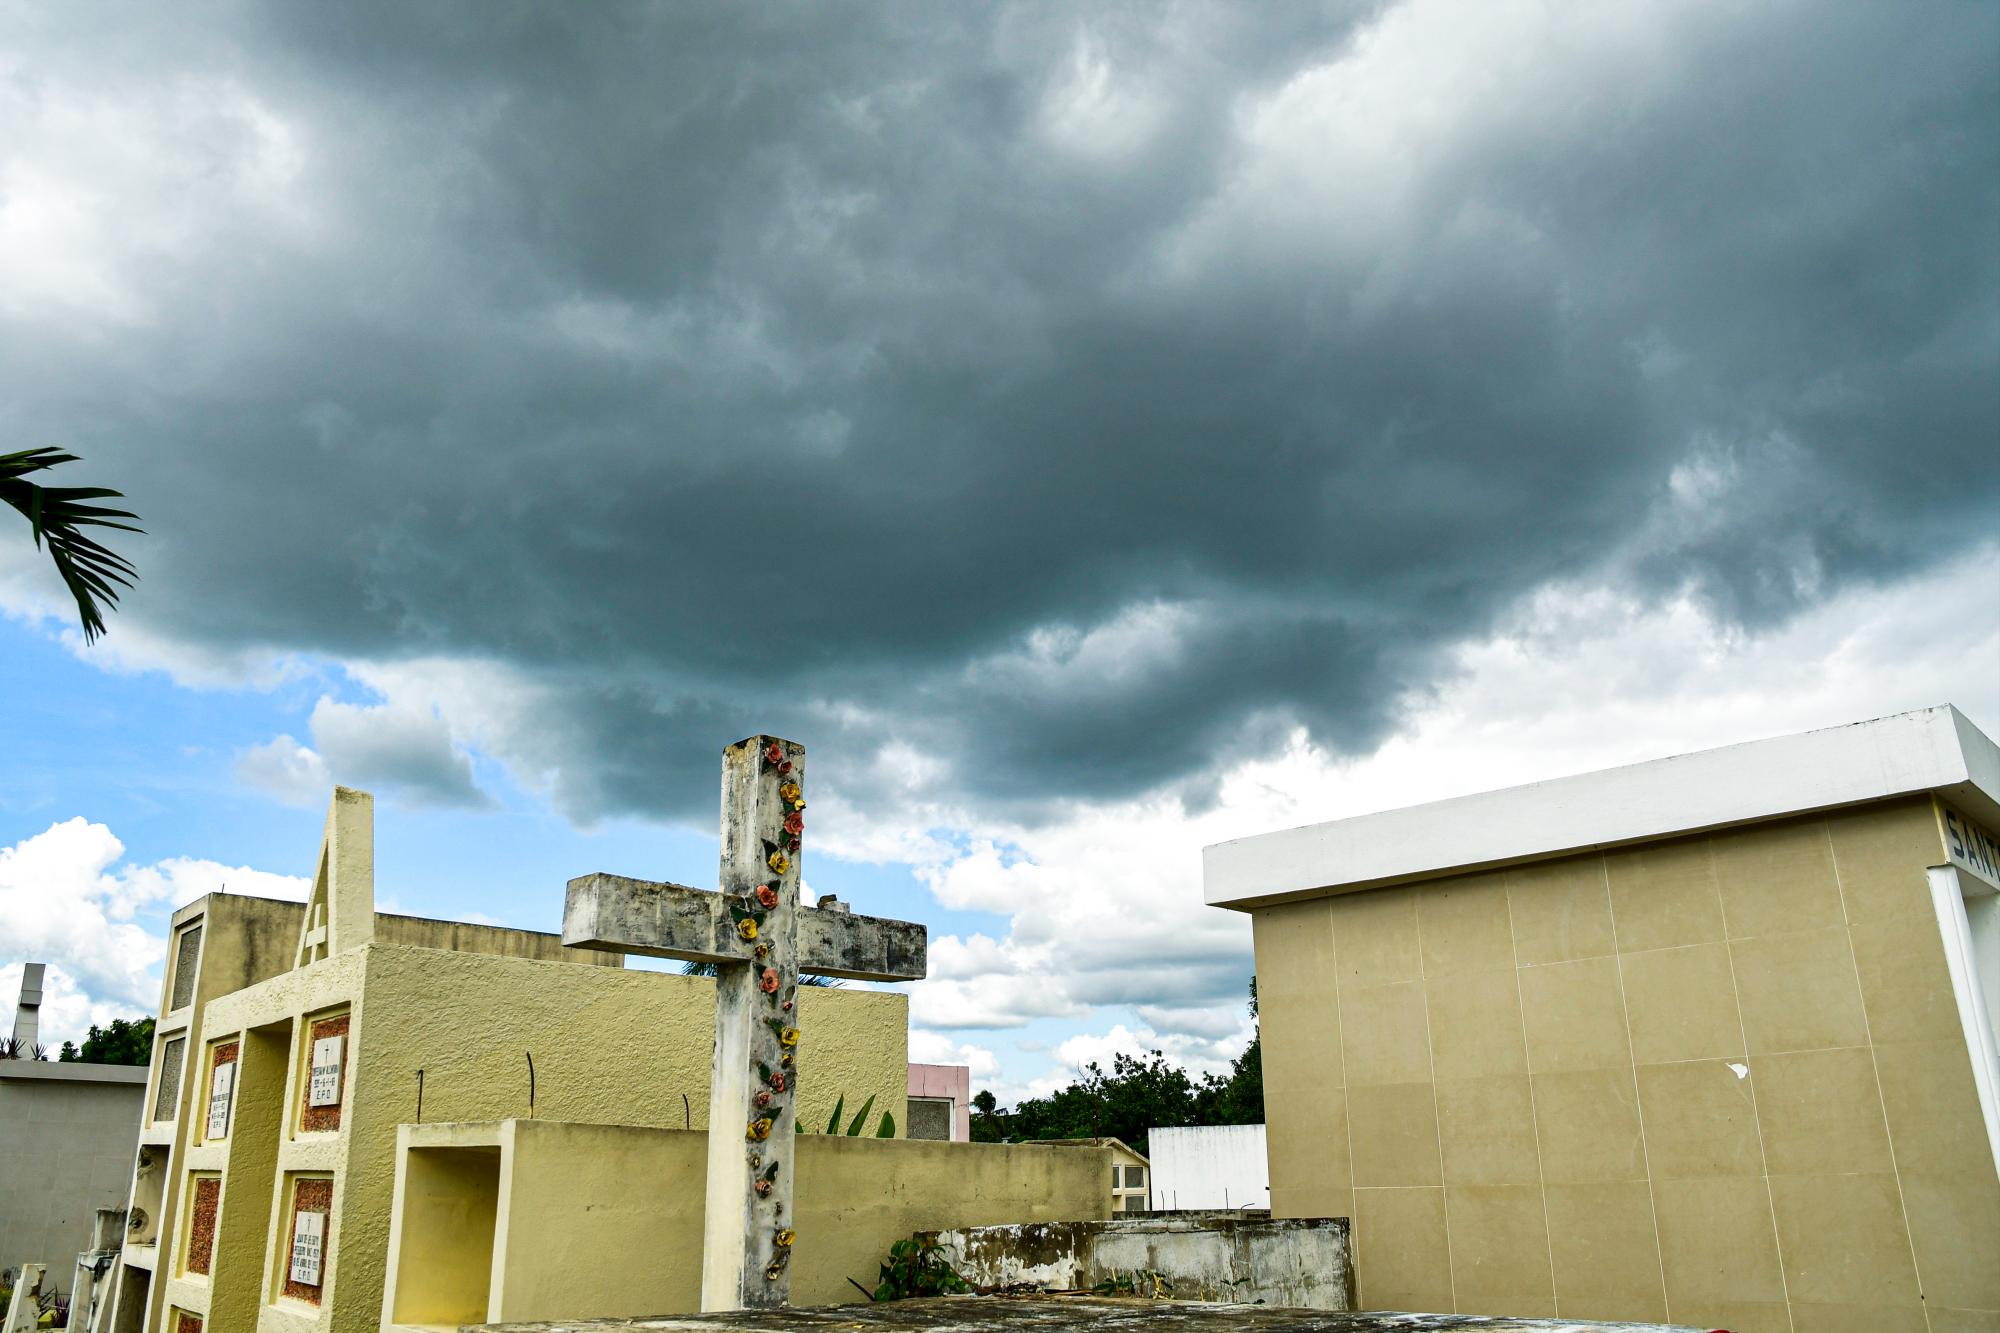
x: 606, y: 1219
x: 1300, y: 1263
x: 1209, y: 1166
x: 69, y: 1132
x: 1719, y: 1079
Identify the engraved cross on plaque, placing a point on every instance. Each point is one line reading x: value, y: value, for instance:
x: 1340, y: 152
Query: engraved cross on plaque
x: 759, y: 938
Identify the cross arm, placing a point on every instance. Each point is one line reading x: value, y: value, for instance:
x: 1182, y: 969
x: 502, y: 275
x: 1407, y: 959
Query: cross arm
x: 663, y: 920
x: 666, y: 920
x: 836, y: 943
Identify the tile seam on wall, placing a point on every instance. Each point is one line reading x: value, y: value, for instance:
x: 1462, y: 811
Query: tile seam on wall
x: 1534, y: 1115
x: 1437, y: 1121
x: 1638, y: 1102
x: 1756, y: 1117
x: 1881, y: 1099
x: 1346, y: 1101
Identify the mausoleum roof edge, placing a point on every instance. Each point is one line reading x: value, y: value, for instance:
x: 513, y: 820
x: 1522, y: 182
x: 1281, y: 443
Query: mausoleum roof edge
x: 1936, y: 750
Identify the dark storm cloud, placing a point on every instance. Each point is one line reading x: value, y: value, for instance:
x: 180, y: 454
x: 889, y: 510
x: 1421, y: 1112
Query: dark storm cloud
x: 1068, y: 396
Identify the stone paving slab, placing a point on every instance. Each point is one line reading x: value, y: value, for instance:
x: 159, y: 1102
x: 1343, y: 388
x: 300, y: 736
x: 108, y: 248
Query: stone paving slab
x: 1058, y: 1314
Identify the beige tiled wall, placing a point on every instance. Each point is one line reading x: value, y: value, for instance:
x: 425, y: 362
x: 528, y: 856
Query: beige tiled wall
x: 1524, y: 1086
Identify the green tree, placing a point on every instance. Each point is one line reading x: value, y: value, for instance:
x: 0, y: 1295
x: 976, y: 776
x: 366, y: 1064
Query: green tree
x: 123, y: 1043
x: 59, y: 515
x: 1139, y: 1094
x: 1238, y: 1099
x: 986, y: 1123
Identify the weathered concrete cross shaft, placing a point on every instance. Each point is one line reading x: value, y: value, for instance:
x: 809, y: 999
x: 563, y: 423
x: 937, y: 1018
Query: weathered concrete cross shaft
x: 759, y: 938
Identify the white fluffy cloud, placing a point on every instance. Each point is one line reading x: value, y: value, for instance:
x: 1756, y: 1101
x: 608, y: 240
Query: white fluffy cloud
x: 401, y: 745
x: 66, y: 900
x: 1106, y: 905
x: 934, y: 1048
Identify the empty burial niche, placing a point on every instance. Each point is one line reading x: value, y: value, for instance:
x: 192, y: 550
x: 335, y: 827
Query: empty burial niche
x: 929, y: 1118
x: 444, y: 1266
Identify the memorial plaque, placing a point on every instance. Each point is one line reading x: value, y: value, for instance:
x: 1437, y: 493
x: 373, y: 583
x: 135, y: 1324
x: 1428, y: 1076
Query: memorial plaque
x: 221, y: 1091
x: 308, y: 1244
x: 306, y: 1254
x: 326, y: 1072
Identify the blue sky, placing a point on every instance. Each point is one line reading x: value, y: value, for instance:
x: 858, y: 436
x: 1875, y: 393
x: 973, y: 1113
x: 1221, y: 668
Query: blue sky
x: 156, y: 762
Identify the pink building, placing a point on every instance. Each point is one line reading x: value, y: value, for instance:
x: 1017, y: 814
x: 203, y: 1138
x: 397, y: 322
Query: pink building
x: 940, y: 1103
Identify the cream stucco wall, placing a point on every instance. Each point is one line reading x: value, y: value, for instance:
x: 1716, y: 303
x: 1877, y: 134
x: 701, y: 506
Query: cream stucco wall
x: 609, y: 1045
x: 1718, y: 1080
x: 603, y: 1220
x: 244, y: 941
x: 501, y: 941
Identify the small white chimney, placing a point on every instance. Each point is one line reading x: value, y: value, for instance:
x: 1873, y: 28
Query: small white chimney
x: 28, y: 1013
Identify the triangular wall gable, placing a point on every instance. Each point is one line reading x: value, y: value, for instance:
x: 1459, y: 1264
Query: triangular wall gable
x: 340, y: 911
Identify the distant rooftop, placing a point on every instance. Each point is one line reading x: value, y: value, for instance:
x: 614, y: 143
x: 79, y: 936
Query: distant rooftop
x: 1933, y: 750
x: 71, y: 1071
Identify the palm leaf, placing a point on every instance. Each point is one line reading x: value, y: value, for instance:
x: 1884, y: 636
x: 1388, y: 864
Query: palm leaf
x: 833, y: 1125
x: 58, y: 514
x: 861, y: 1117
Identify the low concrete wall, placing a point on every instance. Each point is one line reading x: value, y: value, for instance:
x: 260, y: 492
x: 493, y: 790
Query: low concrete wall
x: 1298, y: 1262
x: 597, y: 1220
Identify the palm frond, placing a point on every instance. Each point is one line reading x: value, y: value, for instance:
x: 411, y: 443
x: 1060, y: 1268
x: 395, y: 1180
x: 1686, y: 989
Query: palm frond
x: 58, y: 515
x: 805, y: 979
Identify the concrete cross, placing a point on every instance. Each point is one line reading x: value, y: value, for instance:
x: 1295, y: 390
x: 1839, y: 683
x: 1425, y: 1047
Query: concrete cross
x: 759, y: 938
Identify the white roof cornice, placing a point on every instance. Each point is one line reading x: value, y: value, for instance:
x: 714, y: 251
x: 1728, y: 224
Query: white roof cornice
x: 1933, y: 750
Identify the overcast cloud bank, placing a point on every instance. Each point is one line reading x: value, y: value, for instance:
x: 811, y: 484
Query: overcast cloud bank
x: 1038, y: 413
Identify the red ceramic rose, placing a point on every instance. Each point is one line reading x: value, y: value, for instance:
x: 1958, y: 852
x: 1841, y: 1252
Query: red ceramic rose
x: 763, y: 1099
x: 767, y: 896
x: 769, y: 981
x: 795, y: 823
x: 777, y: 1082
x: 774, y: 753
x: 785, y: 767
x: 763, y: 1187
